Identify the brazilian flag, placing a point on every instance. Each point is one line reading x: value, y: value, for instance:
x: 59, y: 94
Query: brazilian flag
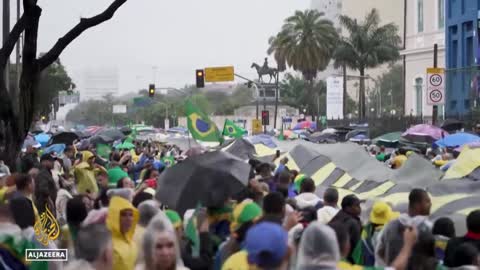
x: 168, y: 161
x: 199, y: 125
x: 232, y: 130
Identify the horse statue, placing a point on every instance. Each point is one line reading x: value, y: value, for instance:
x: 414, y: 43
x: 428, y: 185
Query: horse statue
x: 262, y: 71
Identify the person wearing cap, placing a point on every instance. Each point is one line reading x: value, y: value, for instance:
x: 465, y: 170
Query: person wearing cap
x: 266, y: 247
x: 244, y: 216
x: 349, y: 216
x: 364, y: 252
x: 30, y: 159
x: 45, y: 193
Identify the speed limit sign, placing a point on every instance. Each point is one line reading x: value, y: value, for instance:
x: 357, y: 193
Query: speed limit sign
x: 436, y: 86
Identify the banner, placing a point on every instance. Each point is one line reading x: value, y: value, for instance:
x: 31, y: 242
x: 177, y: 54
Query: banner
x: 334, y: 97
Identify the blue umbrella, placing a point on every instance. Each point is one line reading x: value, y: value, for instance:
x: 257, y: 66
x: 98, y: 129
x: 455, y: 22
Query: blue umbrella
x: 263, y: 139
x: 30, y: 141
x: 42, y: 138
x: 456, y: 140
x: 57, y: 148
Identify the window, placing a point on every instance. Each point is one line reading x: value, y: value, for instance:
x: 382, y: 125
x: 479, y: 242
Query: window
x: 441, y: 14
x: 419, y: 16
x: 419, y: 95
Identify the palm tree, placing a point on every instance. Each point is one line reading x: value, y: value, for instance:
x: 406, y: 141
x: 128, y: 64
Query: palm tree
x: 368, y: 45
x: 306, y: 43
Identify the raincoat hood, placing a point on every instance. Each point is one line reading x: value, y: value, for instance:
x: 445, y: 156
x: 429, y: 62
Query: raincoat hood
x: 86, y: 155
x: 117, y: 204
x: 307, y: 199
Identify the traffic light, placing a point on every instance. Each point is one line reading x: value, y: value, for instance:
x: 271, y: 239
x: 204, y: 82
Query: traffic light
x: 265, y: 118
x: 151, y: 90
x: 200, y: 74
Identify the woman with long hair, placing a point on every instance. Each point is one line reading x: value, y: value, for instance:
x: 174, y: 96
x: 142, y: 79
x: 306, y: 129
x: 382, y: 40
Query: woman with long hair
x: 160, y: 246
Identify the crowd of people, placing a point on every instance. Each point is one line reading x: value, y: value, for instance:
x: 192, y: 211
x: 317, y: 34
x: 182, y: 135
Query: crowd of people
x: 110, y: 218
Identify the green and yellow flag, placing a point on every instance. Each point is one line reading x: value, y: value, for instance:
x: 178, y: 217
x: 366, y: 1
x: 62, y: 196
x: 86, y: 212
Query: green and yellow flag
x: 232, y: 130
x: 199, y: 125
x: 168, y: 161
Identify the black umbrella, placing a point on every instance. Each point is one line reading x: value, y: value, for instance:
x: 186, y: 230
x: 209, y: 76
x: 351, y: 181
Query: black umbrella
x: 126, y: 131
x: 102, y: 139
x: 115, y: 134
x: 63, y: 137
x: 319, y: 137
x: 452, y: 125
x: 209, y: 179
x: 354, y: 133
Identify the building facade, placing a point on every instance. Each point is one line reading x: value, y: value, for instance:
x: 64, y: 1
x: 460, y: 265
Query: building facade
x: 425, y: 26
x: 391, y: 11
x: 462, y: 55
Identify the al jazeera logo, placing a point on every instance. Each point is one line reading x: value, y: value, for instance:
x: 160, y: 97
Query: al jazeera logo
x: 46, y: 230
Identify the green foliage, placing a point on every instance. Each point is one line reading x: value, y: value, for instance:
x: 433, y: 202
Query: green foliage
x: 298, y: 93
x: 367, y: 45
x: 306, y: 43
x: 99, y: 112
x: 390, y: 86
x: 53, y: 80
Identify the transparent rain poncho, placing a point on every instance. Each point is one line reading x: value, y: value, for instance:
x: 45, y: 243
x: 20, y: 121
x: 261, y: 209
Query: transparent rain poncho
x: 318, y: 248
x: 159, y: 224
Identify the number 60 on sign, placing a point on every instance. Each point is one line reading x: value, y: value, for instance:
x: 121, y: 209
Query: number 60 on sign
x: 435, y: 86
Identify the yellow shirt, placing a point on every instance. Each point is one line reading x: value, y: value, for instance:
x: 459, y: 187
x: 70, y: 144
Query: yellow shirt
x: 237, y: 261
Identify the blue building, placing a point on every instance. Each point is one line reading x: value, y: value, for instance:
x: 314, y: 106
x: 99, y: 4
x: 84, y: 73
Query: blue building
x: 462, y: 55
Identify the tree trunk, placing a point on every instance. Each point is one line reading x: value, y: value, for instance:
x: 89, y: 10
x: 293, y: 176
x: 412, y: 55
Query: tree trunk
x: 361, y: 103
x: 345, y: 94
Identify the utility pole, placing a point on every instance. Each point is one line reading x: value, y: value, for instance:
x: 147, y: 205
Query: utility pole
x: 276, y: 100
x: 435, y: 65
x: 6, y: 32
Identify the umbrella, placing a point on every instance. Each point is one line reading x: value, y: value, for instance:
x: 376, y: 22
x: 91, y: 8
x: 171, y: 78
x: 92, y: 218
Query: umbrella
x: 456, y: 140
x: 30, y: 141
x: 360, y: 138
x: 42, y: 138
x: 125, y: 145
x: 101, y: 139
x: 63, y: 137
x: 305, y: 125
x: 320, y: 137
x: 93, y: 130
x: 209, y: 179
x: 115, y: 134
x: 354, y: 133
x: 424, y: 133
x: 194, y: 151
x: 126, y: 131
x: 57, y: 148
x: 452, y: 125
x: 389, y: 140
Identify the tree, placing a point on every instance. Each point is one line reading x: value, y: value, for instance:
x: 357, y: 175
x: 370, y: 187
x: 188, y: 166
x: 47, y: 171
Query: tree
x: 306, y: 43
x: 295, y: 93
x: 17, y: 110
x: 388, y: 91
x: 368, y: 45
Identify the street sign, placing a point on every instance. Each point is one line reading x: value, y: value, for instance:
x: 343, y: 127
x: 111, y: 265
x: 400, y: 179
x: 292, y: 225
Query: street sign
x: 256, y: 126
x: 119, y: 109
x: 435, y: 86
x: 219, y: 74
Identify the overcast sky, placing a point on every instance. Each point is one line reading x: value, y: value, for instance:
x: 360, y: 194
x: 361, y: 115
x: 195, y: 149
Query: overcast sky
x: 176, y: 36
